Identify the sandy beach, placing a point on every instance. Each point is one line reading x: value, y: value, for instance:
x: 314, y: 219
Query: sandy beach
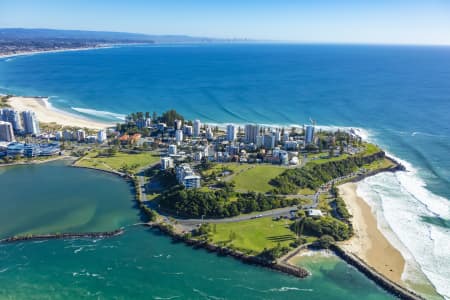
x: 369, y: 243
x: 45, y: 113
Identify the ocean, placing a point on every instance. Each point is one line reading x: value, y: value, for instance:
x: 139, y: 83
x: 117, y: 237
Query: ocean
x: 398, y: 95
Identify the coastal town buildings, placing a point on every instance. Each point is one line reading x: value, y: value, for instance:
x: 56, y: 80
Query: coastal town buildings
x: 32, y: 150
x: 209, y: 133
x: 179, y: 136
x: 251, y: 133
x: 6, y: 132
x: 143, y: 123
x: 67, y: 135
x: 12, y: 116
x: 188, y: 130
x: 101, y: 136
x: 186, y: 176
x: 231, y: 133
x: 166, y: 163
x: 269, y: 141
x: 197, y: 128
x: 172, y: 150
x: 177, y: 124
x: 81, y: 135
x: 309, y: 134
x: 30, y: 122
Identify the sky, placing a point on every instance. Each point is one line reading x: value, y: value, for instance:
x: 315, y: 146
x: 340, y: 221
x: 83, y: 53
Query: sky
x: 316, y: 21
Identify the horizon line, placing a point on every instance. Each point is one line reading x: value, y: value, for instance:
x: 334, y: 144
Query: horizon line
x: 244, y: 39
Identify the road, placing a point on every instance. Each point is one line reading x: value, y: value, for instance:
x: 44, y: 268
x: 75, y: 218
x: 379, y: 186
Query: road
x: 279, y: 212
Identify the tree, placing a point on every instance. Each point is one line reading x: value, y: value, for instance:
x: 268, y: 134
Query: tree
x: 325, y: 241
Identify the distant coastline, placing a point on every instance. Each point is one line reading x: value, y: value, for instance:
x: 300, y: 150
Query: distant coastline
x: 4, y: 55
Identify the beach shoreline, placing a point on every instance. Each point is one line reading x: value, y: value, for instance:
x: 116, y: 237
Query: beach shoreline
x: 46, y: 113
x: 25, y: 53
x: 368, y: 242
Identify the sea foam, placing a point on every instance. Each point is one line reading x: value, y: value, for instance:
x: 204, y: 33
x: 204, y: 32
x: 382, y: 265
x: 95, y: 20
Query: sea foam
x: 401, y: 201
x: 100, y: 113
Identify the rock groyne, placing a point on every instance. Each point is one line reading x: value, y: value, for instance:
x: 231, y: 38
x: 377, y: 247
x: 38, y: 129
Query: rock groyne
x: 37, y: 237
x: 388, y: 285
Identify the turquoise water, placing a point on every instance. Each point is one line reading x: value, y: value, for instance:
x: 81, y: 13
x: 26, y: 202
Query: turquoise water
x: 399, y: 95
x: 140, y: 264
x: 51, y: 198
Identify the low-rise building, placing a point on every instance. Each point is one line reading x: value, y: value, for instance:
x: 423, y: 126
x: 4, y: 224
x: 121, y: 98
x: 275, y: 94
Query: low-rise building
x: 166, y: 163
x: 186, y: 176
x: 172, y: 150
x: 101, y: 136
x: 314, y: 213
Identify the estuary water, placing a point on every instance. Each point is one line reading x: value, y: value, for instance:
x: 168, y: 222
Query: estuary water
x: 51, y: 198
x: 140, y: 264
x: 398, y: 95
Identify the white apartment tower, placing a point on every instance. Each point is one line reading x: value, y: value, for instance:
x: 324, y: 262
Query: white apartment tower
x: 6, y: 132
x: 30, y: 122
x: 197, y: 126
x: 101, y: 136
x: 179, y: 136
x: 231, y: 132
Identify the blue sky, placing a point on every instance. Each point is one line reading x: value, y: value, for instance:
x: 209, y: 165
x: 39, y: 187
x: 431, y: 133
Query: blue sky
x: 332, y: 21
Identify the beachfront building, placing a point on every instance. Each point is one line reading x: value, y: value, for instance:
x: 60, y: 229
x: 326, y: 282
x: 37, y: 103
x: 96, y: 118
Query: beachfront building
x: 186, y: 176
x: 30, y: 122
x: 251, y: 133
x: 58, y: 135
x: 309, y: 134
x: 12, y: 116
x: 81, y: 135
x: 67, y: 135
x: 231, y: 132
x: 6, y: 132
x: 197, y: 127
x: 166, y: 163
x: 179, y: 136
x: 101, y: 136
